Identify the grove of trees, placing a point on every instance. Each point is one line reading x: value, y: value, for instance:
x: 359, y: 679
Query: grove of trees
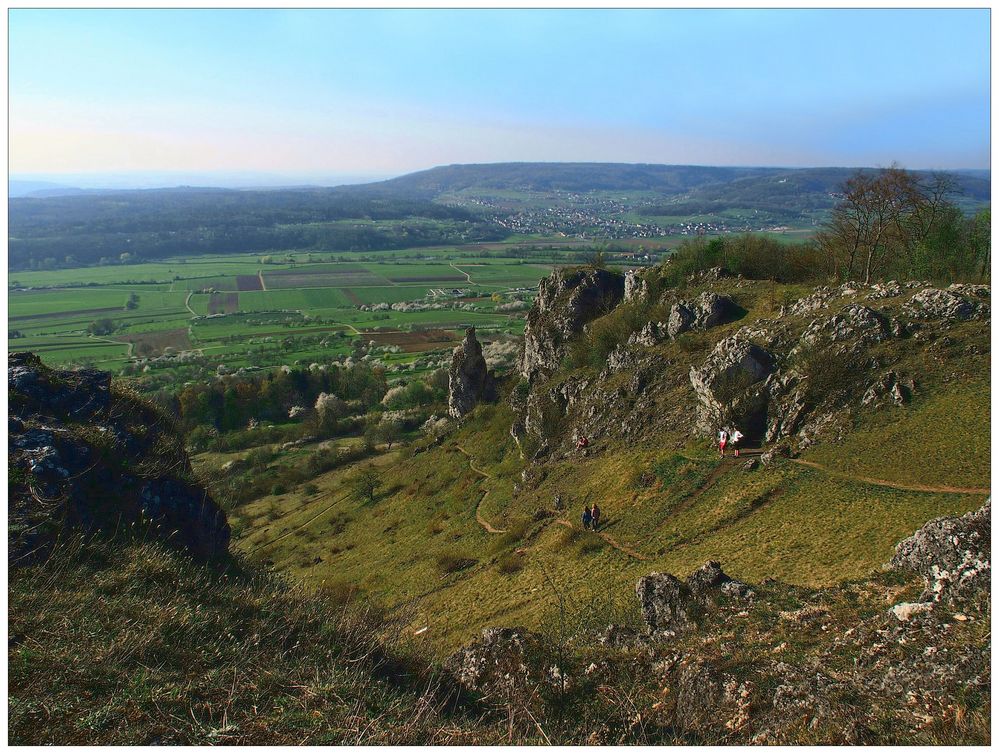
x: 894, y: 223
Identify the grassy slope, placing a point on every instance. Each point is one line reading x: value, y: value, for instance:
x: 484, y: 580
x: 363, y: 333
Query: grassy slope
x: 130, y: 644
x: 799, y: 524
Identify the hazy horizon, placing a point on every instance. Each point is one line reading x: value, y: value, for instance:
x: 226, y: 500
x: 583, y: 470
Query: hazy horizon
x: 377, y: 93
x: 251, y: 179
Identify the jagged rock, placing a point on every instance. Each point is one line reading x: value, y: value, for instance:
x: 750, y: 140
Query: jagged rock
x: 651, y: 334
x: 636, y: 287
x: 724, y: 385
x: 889, y: 389
x: 751, y: 465
x: 906, y: 610
x: 711, y: 309
x: 946, y: 305
x: 818, y: 299
x: 78, y: 459
x: 666, y: 602
x: 496, y: 662
x: 855, y: 321
x: 953, y: 554
x: 972, y: 290
x: 670, y: 605
x: 709, y: 576
x: 469, y: 380
x: 567, y: 301
x: 680, y: 320
x: 891, y: 289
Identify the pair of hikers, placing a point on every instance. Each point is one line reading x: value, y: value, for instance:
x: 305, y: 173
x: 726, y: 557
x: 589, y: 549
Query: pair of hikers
x: 591, y: 517
x: 725, y: 439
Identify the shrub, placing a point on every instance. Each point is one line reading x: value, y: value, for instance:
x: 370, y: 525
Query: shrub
x: 452, y: 562
x: 590, y: 544
x: 510, y: 563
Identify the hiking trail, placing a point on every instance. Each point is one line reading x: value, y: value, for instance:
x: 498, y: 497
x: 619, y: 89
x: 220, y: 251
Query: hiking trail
x: 609, y: 540
x: 478, y: 513
x: 187, y: 303
x: 893, y: 485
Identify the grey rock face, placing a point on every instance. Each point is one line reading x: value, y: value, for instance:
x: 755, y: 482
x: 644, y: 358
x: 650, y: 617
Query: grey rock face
x: 671, y: 605
x: 469, y: 380
x: 567, y: 301
x: 635, y: 286
x: 711, y: 309
x: 952, y: 554
x: 727, y: 384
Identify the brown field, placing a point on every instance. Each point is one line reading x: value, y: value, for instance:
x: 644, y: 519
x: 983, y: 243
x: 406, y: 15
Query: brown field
x: 153, y: 343
x: 410, y: 342
x: 226, y: 303
x: 320, y: 279
x: 351, y: 296
x: 247, y: 283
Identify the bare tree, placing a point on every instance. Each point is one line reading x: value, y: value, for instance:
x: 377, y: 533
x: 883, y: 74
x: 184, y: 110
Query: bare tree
x: 883, y: 219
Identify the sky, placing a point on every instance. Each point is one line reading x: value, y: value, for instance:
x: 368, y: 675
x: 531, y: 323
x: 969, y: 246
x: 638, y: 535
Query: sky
x: 314, y: 94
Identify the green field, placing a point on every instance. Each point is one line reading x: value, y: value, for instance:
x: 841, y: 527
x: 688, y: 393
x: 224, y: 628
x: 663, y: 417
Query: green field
x: 196, y: 304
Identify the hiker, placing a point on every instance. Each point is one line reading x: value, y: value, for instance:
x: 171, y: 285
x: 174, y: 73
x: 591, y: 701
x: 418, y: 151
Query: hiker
x: 595, y: 515
x: 582, y: 443
x: 734, y: 440
x: 587, y: 517
x: 722, y: 441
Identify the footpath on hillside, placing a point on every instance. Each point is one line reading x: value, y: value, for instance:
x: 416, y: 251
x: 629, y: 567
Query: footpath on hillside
x: 478, y: 513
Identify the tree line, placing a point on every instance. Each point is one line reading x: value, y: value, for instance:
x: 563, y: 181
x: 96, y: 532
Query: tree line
x: 891, y: 223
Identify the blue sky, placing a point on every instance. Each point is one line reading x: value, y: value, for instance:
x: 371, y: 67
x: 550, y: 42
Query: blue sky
x: 313, y: 92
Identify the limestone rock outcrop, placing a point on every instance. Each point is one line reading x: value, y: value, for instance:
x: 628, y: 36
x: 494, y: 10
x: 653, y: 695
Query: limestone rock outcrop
x: 84, y: 456
x: 469, y: 379
x: 953, y: 554
x: 728, y: 386
x: 567, y: 301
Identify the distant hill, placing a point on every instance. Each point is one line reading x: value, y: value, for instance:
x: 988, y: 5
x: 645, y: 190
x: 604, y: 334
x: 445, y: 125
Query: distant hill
x: 714, y: 183
x: 566, y: 176
x: 19, y: 189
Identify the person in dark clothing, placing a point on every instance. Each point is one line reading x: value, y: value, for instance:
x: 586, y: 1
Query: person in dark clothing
x: 595, y: 516
x: 587, y: 517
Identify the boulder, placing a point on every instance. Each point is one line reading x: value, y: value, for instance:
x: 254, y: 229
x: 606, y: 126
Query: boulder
x: 667, y: 603
x: 711, y: 309
x: 469, y: 379
x: 495, y: 663
x: 681, y: 319
x: 953, y: 554
x: 651, y: 334
x: 853, y: 322
x: 889, y: 390
x: 945, y: 305
x: 567, y: 301
x: 670, y: 605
